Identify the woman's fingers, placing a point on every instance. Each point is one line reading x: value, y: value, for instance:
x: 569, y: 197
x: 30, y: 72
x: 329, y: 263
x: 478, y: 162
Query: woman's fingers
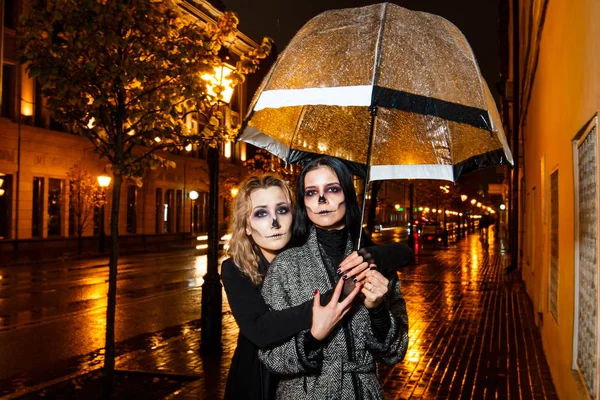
x: 337, y: 292
x: 363, y: 275
x: 378, y: 279
x: 350, y: 262
x: 317, y: 299
x: 347, y: 302
x: 358, y: 269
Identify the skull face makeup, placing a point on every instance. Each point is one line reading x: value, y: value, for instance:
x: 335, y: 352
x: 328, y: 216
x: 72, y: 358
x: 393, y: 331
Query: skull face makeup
x: 270, y: 222
x: 324, y: 199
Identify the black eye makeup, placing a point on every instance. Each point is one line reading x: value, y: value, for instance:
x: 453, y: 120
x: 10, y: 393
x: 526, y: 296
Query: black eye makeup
x: 260, y: 214
x: 334, y: 189
x: 283, y: 210
x: 310, y: 192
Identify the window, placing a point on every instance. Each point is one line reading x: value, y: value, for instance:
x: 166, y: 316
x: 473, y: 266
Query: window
x: 131, y: 208
x: 38, y: 207
x: 5, y: 205
x: 586, y: 340
x: 178, y: 212
x: 10, y: 14
x: 169, y: 206
x: 203, y: 211
x: 199, y: 212
x: 8, y: 90
x: 158, y: 212
x: 54, y: 207
x: 72, y: 220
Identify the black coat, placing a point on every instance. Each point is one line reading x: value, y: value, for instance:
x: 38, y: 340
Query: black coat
x: 259, y: 328
x: 262, y: 328
x: 343, y: 366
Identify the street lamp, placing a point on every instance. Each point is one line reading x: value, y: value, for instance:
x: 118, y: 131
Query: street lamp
x: 220, y: 87
x: 103, y: 181
x: 473, y: 202
x: 193, y: 195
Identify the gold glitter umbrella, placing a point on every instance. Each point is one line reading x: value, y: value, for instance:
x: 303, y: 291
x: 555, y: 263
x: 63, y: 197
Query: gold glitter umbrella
x: 396, y: 90
x: 435, y: 117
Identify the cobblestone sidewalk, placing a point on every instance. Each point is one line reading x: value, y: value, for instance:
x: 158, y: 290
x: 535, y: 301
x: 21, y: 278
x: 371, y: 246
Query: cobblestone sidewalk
x: 471, y: 334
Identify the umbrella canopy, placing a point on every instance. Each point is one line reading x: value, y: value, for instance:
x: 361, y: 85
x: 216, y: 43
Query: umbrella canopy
x: 394, y: 89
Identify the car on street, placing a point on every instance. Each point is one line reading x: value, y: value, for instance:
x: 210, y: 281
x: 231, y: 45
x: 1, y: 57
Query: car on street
x: 433, y: 233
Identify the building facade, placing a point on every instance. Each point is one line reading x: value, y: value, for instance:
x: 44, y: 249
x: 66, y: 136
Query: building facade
x: 556, y: 93
x: 36, y: 155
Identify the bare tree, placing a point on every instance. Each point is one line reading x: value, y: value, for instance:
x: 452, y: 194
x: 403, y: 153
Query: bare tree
x: 84, y: 197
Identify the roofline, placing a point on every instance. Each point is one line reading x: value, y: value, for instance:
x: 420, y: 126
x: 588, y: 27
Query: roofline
x: 242, y: 44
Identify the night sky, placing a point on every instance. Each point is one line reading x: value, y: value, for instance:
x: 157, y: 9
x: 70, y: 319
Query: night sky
x: 280, y: 19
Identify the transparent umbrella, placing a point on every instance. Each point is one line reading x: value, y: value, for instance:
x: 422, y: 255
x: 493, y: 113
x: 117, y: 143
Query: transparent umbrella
x: 396, y: 90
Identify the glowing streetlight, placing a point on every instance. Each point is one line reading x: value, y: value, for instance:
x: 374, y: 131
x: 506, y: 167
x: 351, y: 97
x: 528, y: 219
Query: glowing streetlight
x: 478, y: 204
x: 502, y: 207
x: 463, y: 197
x: 473, y: 201
x: 219, y: 85
x: 103, y: 181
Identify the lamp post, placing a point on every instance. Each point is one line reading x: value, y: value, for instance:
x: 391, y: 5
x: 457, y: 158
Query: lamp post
x: 411, y: 239
x: 221, y: 88
x: 463, y: 198
x: 103, y: 182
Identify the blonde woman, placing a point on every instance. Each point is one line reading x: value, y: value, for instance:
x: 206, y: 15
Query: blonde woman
x: 261, y: 228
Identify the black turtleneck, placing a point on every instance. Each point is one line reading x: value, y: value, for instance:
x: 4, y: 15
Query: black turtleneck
x: 333, y: 243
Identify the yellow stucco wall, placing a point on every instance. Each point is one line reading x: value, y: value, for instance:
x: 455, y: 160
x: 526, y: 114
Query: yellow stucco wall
x: 566, y: 94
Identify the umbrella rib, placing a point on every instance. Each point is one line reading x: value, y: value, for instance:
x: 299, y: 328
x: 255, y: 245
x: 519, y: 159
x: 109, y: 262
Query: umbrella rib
x: 378, y: 49
x: 373, y: 111
x: 298, y: 122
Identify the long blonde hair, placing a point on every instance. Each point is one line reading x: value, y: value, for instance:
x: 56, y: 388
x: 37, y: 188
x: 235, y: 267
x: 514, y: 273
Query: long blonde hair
x: 241, y: 245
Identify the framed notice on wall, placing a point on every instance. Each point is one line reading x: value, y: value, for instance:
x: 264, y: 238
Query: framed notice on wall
x: 586, y: 358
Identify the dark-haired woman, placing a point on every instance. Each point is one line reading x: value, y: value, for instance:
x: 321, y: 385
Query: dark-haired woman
x: 340, y: 365
x: 261, y: 228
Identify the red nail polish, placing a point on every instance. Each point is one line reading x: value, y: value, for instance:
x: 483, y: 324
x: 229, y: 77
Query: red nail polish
x: 316, y: 291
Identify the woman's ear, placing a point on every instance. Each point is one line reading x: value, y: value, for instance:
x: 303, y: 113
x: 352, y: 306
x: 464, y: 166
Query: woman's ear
x: 248, y: 230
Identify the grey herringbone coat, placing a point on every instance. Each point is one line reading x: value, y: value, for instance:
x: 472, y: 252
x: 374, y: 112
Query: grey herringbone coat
x: 344, y: 367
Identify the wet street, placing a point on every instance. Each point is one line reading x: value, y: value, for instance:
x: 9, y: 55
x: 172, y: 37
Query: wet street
x: 470, y: 325
x: 52, y: 316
